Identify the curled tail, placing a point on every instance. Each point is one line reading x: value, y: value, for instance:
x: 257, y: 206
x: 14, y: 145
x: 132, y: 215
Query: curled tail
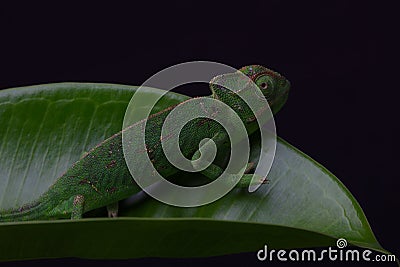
x: 31, y: 211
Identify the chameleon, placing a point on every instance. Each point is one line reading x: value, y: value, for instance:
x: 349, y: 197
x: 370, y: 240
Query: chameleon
x: 101, y: 177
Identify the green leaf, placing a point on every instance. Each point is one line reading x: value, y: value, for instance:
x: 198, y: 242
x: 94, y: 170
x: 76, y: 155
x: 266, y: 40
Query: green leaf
x: 46, y: 128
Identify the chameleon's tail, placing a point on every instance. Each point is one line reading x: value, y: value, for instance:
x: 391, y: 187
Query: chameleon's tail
x: 29, y: 211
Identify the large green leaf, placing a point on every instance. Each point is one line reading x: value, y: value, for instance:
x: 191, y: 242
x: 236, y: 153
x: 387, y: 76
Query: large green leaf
x: 46, y: 128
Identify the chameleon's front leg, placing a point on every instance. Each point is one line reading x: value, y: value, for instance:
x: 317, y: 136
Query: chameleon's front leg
x: 213, y: 171
x: 77, y: 207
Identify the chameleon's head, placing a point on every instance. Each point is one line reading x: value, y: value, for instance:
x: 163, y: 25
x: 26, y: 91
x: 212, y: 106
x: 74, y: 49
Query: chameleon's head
x: 274, y: 87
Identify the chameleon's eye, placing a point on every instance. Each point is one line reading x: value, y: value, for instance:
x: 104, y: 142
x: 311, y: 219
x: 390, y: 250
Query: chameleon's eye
x: 264, y: 82
x: 264, y: 85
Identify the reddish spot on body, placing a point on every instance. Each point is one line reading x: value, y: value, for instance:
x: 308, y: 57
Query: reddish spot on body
x: 165, y: 138
x: 111, y: 164
x: 215, y: 111
x: 203, y: 121
x: 84, y: 181
x: 78, y: 199
x: 112, y: 190
x: 144, y: 150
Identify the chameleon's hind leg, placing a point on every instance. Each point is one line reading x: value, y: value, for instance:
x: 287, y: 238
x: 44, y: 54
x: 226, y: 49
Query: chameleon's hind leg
x: 77, y: 207
x: 112, y: 210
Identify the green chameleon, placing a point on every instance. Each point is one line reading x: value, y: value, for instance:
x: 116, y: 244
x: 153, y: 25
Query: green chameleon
x: 101, y: 177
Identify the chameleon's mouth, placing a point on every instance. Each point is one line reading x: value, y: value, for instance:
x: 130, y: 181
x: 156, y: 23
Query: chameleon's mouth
x: 278, y: 101
x: 274, y: 105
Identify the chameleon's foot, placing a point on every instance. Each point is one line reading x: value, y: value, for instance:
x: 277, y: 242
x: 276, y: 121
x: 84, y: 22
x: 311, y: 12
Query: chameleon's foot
x: 247, y: 180
x: 112, y: 210
x: 264, y: 180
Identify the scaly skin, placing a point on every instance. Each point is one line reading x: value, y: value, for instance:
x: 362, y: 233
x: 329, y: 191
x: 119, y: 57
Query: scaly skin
x: 101, y: 178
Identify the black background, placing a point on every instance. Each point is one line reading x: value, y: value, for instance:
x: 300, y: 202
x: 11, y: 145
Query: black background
x: 338, y: 55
